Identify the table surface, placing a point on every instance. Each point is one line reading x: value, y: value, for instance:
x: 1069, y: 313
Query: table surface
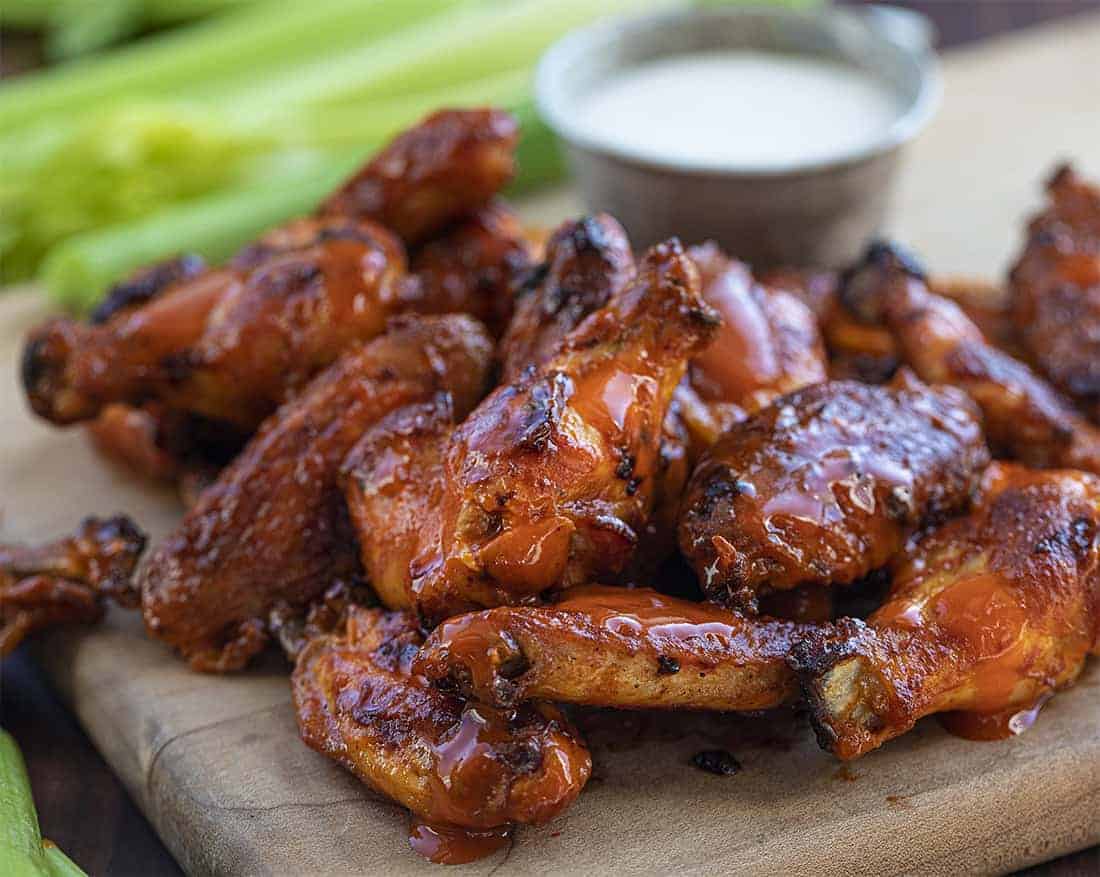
x: 100, y: 827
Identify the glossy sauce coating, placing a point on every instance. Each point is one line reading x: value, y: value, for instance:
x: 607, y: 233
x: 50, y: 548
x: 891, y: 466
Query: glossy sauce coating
x: 987, y: 616
x: 587, y: 262
x: 1024, y: 417
x: 1055, y: 289
x: 550, y: 480
x: 473, y: 266
x: 393, y: 483
x: 615, y: 647
x: 65, y: 581
x: 825, y: 485
x: 452, y: 163
x: 768, y: 345
x: 274, y: 526
x: 449, y: 762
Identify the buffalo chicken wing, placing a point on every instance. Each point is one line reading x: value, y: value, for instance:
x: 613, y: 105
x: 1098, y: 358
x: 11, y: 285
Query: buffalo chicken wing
x: 987, y: 616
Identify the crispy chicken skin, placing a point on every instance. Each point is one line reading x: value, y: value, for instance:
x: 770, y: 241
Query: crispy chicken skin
x: 452, y: 163
x: 1025, y: 418
x: 474, y: 266
x: 393, y: 479
x: 1055, y: 289
x: 615, y: 647
x: 393, y: 484
x: 987, y: 616
x: 587, y: 262
x: 550, y: 480
x: 448, y: 761
x: 274, y: 527
x: 867, y: 352
x: 768, y: 345
x: 65, y: 581
x: 824, y: 486
x: 234, y: 342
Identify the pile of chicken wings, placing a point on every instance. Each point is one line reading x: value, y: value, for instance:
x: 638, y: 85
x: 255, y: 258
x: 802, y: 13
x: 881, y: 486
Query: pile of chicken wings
x: 451, y: 466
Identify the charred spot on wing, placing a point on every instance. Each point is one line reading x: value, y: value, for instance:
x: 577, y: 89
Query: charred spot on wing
x: 146, y: 284
x: 546, y: 401
x: 177, y: 367
x: 667, y: 666
x: 625, y: 468
x: 535, y: 278
x: 860, y: 285
x: 589, y: 235
x: 524, y: 757
x: 35, y: 366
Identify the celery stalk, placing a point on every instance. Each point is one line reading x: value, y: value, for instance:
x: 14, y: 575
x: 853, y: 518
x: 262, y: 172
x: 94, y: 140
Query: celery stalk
x: 77, y: 271
x: 467, y: 44
x: 243, y: 43
x: 23, y: 852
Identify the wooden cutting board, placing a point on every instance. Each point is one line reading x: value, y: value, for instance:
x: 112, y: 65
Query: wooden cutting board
x: 216, y: 765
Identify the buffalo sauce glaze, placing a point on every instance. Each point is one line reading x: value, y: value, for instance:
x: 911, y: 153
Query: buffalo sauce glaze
x: 445, y: 844
x: 990, y: 624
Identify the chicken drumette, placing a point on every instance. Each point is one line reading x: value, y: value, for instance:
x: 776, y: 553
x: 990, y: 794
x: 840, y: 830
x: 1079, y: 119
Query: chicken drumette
x: 1055, y: 290
x: 66, y: 581
x: 823, y: 486
x: 768, y: 344
x: 987, y: 616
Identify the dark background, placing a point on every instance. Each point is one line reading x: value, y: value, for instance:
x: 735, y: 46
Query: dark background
x: 84, y: 808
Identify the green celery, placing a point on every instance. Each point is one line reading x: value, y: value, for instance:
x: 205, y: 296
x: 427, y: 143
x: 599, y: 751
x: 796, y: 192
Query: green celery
x: 77, y: 271
x: 23, y: 852
x: 247, y: 42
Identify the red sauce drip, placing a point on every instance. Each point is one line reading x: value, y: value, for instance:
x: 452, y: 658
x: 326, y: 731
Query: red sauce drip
x: 454, y: 845
x: 993, y: 726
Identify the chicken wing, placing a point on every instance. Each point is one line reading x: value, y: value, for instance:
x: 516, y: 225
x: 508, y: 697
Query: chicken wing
x: 274, y: 527
x: 1056, y: 290
x: 474, y: 266
x: 615, y: 647
x: 987, y: 616
x: 449, y: 762
x: 549, y: 482
x: 1025, y: 418
x: 65, y: 581
x: 232, y: 343
x: 452, y: 163
x: 768, y: 345
x: 393, y: 479
x: 867, y: 352
x: 587, y: 262
x: 825, y: 485
x: 393, y: 484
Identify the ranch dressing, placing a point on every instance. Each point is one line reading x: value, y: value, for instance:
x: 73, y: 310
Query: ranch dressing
x: 740, y: 110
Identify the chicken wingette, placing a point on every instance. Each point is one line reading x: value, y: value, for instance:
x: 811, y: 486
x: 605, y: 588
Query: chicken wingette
x: 615, y: 647
x: 988, y: 615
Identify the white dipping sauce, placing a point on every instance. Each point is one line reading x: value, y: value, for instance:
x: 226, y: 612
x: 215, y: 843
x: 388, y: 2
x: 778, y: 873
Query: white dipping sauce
x: 740, y: 109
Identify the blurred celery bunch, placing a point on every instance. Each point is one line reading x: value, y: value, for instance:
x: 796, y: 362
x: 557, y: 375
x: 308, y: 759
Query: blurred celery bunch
x: 197, y: 138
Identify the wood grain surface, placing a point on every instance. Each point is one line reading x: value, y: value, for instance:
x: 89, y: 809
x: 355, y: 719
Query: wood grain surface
x: 967, y: 184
